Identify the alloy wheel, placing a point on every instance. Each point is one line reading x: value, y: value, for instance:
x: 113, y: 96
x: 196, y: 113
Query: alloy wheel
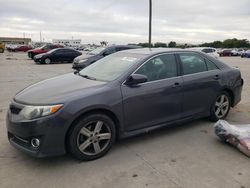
x: 222, y: 106
x: 47, y: 61
x: 93, y: 138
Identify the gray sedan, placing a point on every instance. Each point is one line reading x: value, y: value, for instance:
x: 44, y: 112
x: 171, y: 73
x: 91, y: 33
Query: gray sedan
x: 121, y: 95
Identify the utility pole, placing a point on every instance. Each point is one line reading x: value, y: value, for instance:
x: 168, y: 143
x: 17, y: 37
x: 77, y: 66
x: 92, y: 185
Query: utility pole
x: 150, y: 23
x: 40, y: 36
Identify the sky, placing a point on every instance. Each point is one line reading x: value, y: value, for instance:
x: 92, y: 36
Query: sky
x: 126, y: 21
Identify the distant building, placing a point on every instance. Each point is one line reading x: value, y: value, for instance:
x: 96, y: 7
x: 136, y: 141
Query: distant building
x: 14, y: 40
x: 68, y: 42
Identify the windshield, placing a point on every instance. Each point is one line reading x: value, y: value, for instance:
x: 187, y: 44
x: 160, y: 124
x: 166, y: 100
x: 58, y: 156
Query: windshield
x: 96, y: 51
x: 111, y: 67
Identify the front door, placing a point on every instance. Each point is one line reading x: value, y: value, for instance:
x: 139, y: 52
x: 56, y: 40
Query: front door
x: 156, y: 101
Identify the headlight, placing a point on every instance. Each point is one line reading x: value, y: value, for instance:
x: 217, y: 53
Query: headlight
x: 38, y: 56
x: 32, y: 112
x: 83, y: 60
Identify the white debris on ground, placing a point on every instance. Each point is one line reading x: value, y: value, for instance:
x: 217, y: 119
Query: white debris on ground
x: 237, y: 135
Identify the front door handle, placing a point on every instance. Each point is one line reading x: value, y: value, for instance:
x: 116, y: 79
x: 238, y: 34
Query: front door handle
x: 177, y: 84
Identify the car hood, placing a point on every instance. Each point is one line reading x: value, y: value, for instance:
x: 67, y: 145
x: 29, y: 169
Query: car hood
x: 81, y: 57
x: 57, y: 90
x: 37, y: 50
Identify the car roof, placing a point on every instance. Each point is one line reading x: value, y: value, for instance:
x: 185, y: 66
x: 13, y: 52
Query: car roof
x: 200, y: 48
x: 128, y: 46
x: 154, y: 51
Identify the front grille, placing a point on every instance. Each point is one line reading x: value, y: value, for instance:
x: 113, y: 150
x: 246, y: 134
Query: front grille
x: 14, y: 109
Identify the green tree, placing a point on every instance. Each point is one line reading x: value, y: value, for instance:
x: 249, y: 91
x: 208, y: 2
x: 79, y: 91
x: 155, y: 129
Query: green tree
x: 145, y: 45
x: 172, y: 44
x: 160, y: 44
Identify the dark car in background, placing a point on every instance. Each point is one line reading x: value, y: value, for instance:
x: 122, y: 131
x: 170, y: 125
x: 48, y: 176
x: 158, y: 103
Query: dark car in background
x: 43, y: 49
x: 57, y: 55
x: 91, y: 57
x: 121, y: 95
x: 226, y: 53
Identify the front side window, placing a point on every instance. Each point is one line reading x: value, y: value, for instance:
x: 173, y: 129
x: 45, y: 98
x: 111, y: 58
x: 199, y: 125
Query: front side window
x: 161, y: 67
x: 192, y: 63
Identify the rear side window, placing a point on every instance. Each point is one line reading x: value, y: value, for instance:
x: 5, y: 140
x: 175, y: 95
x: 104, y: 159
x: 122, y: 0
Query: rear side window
x: 211, y: 65
x: 160, y: 67
x: 192, y: 63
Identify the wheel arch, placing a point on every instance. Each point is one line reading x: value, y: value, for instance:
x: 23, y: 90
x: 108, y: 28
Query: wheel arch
x: 231, y: 94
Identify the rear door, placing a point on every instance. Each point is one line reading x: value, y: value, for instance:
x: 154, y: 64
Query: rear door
x: 201, y: 83
x: 156, y: 101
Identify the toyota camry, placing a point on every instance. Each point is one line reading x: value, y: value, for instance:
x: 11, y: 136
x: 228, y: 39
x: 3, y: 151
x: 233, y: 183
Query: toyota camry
x: 121, y: 95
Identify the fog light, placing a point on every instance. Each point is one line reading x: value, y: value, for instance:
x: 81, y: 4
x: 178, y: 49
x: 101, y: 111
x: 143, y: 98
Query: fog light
x: 35, y: 142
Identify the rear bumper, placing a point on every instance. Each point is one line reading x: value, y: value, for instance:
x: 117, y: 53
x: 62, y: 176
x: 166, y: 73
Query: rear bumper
x: 237, y: 92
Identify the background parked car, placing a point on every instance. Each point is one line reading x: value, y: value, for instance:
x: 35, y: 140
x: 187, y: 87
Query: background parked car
x: 2, y: 47
x: 246, y: 54
x: 235, y: 52
x: 45, y: 48
x: 91, y: 57
x: 226, y: 53
x: 20, y: 48
x: 208, y: 50
x: 57, y: 55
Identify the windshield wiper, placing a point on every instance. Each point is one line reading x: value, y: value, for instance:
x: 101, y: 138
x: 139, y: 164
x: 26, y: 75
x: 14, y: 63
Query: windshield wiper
x: 88, y: 77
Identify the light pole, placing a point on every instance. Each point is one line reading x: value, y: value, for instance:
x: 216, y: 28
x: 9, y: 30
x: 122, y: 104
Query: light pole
x: 150, y: 23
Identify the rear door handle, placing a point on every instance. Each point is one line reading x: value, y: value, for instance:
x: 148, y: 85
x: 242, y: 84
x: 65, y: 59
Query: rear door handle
x: 217, y: 77
x: 177, y: 84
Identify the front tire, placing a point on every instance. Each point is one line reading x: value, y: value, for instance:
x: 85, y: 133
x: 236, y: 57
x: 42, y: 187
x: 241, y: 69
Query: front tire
x: 220, y: 107
x: 47, y: 61
x: 91, y: 137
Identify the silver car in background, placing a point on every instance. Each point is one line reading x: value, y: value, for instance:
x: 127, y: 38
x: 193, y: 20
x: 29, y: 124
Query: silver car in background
x: 208, y: 50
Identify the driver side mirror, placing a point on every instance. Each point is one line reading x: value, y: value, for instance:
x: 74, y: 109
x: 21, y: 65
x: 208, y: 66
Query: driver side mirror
x: 135, y: 79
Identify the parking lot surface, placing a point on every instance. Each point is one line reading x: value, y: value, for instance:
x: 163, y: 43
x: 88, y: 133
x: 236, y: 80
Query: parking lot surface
x: 188, y: 156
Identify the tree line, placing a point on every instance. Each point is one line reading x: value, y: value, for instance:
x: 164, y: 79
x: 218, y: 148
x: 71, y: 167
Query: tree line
x: 228, y: 43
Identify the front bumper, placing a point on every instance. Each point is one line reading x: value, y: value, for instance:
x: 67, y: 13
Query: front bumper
x: 38, y: 60
x: 49, y: 130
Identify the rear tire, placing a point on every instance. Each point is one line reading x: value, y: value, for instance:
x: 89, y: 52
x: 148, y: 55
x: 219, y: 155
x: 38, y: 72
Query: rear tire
x: 91, y: 137
x: 221, y: 106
